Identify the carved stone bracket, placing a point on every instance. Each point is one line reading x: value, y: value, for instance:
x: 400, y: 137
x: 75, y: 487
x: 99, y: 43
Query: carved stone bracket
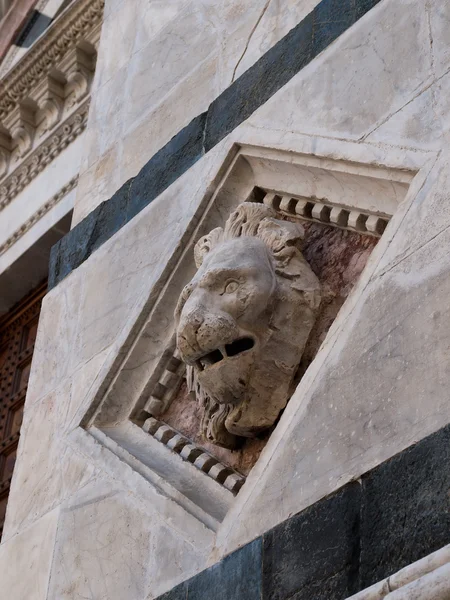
x: 49, y: 97
x: 21, y: 126
x: 5, y: 151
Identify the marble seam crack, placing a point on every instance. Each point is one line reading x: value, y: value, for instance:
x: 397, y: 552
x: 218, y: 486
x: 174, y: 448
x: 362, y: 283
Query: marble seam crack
x: 415, y: 96
x: 249, y: 39
x: 93, y: 501
x: 66, y: 257
x: 413, y: 251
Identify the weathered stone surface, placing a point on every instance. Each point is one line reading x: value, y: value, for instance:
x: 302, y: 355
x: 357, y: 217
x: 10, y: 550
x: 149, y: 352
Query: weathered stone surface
x: 166, y: 166
x: 135, y: 108
x: 337, y: 257
x: 433, y: 586
x: 380, y: 381
x: 425, y: 218
x: 177, y: 593
x: 26, y: 560
x: 102, y: 223
x: 236, y: 576
x: 260, y: 82
x: 368, y: 530
x: 403, y: 402
x: 47, y: 471
x: 370, y: 62
x: 315, y: 554
x: 106, y: 529
x: 406, y: 508
x: 184, y: 414
x: 439, y: 15
x: 414, y: 124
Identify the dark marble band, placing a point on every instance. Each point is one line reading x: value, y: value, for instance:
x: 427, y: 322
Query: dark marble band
x: 252, y: 89
x: 394, y: 515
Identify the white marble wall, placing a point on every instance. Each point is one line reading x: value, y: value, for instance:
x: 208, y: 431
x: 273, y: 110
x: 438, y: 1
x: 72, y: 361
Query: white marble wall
x: 161, y: 64
x: 380, y: 382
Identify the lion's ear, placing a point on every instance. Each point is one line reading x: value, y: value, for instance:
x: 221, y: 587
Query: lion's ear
x: 205, y: 244
x: 285, y: 239
x: 277, y: 234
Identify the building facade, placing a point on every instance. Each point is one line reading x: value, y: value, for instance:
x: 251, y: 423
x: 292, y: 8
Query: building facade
x: 224, y: 357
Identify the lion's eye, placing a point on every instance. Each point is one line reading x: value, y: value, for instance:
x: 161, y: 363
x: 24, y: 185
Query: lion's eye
x: 231, y: 287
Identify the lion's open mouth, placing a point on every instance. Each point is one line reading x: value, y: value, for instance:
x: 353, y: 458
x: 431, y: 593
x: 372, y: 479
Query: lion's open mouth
x: 237, y: 347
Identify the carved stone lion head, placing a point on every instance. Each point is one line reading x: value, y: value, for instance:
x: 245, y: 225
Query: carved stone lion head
x: 243, y: 321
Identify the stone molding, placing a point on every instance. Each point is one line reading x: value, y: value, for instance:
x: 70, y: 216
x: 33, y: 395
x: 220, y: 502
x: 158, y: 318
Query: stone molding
x: 409, y: 580
x: 230, y: 479
x: 44, y: 154
x: 49, y: 82
x: 172, y: 371
x: 309, y: 209
x: 38, y: 215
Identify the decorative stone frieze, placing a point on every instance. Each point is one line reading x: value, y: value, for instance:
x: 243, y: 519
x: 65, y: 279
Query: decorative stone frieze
x: 49, y: 86
x: 244, y: 320
x: 28, y: 169
x: 77, y: 27
x: 38, y: 215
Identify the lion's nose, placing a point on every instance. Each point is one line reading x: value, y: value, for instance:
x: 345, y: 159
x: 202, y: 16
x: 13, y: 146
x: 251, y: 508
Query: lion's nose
x: 187, y: 332
x: 201, y: 331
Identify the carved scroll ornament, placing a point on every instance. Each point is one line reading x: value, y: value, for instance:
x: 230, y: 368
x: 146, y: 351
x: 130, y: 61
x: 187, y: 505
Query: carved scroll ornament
x: 244, y: 320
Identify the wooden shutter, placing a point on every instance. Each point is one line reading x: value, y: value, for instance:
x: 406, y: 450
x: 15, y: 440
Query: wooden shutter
x: 18, y: 330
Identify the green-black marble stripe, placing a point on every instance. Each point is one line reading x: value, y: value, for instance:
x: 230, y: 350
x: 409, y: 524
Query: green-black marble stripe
x: 272, y: 71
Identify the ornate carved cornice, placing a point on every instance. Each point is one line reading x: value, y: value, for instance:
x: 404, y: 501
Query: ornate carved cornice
x: 81, y: 22
x: 43, y: 155
x: 47, y: 89
x: 38, y: 215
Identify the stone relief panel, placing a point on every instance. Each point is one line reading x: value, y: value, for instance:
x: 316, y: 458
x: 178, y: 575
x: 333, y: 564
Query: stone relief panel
x: 274, y: 250
x: 244, y: 321
x: 337, y: 257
